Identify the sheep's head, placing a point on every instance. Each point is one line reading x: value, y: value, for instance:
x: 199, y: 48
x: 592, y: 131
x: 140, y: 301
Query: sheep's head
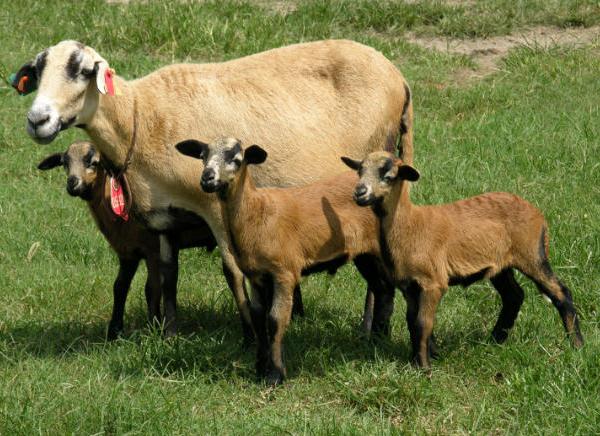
x: 68, y: 78
x: 80, y: 162
x: 378, y: 172
x: 222, y: 160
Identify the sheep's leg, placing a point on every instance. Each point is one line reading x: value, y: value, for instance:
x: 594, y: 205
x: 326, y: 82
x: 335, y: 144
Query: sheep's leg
x: 152, y: 290
x: 379, y: 301
x: 411, y: 295
x: 127, y: 269
x: 421, y: 337
x: 235, y: 281
x: 549, y: 284
x: 367, y: 321
x: 260, y: 304
x: 169, y: 269
x: 512, y: 296
x: 298, y: 305
x: 277, y: 321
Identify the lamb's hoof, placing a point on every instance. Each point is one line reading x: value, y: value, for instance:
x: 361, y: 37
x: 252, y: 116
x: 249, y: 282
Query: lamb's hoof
x: 274, y: 378
x: 170, y: 332
x: 433, y: 350
x: 500, y: 336
x: 114, y: 332
x: 577, y: 341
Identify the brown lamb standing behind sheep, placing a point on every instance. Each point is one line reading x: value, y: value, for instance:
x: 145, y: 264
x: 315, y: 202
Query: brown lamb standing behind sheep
x: 278, y: 235
x: 428, y: 248
x: 130, y: 240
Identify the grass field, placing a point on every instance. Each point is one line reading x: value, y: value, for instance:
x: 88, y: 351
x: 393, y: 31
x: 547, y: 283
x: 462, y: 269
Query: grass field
x: 531, y: 128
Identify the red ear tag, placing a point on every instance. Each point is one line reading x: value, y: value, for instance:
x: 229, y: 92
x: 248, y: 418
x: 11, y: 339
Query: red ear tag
x: 117, y: 199
x: 108, y: 80
x: 21, y: 85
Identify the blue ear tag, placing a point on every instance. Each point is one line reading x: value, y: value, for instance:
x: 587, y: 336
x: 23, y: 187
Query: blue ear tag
x: 12, y: 79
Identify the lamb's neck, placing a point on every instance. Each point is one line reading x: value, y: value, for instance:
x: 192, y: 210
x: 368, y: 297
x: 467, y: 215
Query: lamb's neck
x: 244, y: 203
x: 111, y: 126
x: 398, y: 214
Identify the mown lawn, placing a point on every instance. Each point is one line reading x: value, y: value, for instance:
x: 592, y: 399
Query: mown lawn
x: 532, y: 128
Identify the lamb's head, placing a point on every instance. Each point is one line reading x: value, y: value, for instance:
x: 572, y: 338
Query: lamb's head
x: 378, y: 172
x: 222, y: 159
x: 68, y: 78
x: 80, y: 162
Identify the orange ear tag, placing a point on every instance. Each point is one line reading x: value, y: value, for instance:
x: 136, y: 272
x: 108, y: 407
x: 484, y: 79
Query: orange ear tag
x: 117, y: 199
x: 21, y: 85
x: 108, y: 80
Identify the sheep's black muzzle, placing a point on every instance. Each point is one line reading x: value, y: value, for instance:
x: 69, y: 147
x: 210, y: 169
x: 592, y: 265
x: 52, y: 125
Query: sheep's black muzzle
x: 76, y: 188
x: 362, y: 197
x: 208, y: 181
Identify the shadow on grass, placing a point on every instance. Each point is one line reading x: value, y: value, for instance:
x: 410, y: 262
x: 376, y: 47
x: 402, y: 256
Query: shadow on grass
x: 210, y: 342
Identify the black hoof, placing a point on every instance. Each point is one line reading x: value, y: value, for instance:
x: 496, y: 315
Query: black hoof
x: 274, y: 378
x: 500, y: 336
x: 114, y: 332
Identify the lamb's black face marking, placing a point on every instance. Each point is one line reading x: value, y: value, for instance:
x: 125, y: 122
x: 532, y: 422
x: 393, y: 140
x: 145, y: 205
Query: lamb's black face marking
x: 40, y: 63
x: 88, y: 159
x: 73, y: 64
x: 383, y: 171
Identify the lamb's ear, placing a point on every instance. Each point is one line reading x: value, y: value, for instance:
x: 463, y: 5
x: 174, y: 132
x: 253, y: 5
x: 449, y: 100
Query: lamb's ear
x: 354, y: 164
x: 255, y: 155
x: 104, y: 78
x: 25, y: 81
x: 406, y: 172
x: 192, y: 148
x: 52, y: 161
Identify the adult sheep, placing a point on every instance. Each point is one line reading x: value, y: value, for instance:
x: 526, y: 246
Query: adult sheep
x: 306, y: 104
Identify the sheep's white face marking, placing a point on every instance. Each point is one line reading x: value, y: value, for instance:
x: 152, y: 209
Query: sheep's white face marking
x: 222, y: 160
x: 66, y: 94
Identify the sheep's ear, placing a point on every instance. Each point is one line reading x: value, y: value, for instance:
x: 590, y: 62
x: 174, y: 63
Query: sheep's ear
x: 406, y: 172
x: 25, y: 81
x: 354, y: 164
x: 192, y: 148
x: 52, y: 161
x: 254, y: 155
x: 104, y: 78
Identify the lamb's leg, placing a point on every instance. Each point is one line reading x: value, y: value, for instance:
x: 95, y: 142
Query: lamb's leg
x: 379, y: 301
x: 411, y: 295
x: 260, y: 304
x: 549, y: 284
x: 512, y: 296
x: 277, y: 321
x: 152, y: 290
x: 127, y: 269
x: 429, y: 298
x: 169, y: 269
x: 298, y: 306
x: 235, y: 281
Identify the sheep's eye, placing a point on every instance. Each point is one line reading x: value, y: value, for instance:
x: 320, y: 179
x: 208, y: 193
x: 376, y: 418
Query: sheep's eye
x: 87, y: 73
x: 93, y: 164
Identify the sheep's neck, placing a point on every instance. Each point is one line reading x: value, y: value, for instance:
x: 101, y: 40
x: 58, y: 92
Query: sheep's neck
x: 398, y: 219
x: 111, y: 125
x: 243, y: 206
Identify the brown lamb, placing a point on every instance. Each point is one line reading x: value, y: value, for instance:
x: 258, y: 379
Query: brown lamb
x: 428, y: 248
x: 279, y: 234
x: 130, y: 240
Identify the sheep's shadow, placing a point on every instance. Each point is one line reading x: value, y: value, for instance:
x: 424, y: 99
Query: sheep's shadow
x: 210, y: 342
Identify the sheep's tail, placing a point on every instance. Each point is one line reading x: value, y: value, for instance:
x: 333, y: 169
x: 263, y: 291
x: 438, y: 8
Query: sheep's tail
x: 405, y: 145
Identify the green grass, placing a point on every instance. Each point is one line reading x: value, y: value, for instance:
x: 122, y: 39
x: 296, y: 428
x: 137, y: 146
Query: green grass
x: 531, y: 129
